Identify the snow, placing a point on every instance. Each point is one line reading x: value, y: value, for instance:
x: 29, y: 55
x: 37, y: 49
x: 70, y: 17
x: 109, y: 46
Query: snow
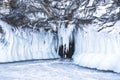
x: 52, y: 70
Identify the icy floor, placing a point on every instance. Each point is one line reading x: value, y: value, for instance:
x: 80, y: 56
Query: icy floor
x: 52, y: 70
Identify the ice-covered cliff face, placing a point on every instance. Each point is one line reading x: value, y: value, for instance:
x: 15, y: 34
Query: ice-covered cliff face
x: 42, y: 29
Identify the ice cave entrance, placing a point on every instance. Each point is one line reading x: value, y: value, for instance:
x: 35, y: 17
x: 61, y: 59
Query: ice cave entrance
x: 67, y: 53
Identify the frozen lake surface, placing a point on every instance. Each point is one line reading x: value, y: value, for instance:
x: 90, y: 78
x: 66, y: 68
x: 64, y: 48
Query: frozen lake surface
x: 52, y: 70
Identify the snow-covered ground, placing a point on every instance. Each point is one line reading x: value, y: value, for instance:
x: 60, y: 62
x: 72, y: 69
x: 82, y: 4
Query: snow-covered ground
x: 52, y: 70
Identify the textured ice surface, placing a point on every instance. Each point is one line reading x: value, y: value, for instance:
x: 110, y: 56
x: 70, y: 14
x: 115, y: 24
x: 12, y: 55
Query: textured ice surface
x: 52, y: 70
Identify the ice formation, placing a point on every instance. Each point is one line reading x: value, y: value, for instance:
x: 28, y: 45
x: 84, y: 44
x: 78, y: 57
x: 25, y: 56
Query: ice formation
x: 26, y: 44
x: 36, y: 29
x: 98, y: 50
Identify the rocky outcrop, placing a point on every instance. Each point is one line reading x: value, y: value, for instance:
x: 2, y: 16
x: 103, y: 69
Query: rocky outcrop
x: 34, y: 12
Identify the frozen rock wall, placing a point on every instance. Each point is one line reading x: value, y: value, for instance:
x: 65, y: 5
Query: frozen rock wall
x: 93, y: 25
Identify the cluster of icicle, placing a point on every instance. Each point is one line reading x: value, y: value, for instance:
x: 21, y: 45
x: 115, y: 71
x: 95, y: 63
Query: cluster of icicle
x: 26, y: 44
x: 100, y: 50
x: 93, y: 49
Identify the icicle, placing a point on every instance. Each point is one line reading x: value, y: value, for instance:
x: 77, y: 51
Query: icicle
x: 99, y: 50
x: 26, y: 44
